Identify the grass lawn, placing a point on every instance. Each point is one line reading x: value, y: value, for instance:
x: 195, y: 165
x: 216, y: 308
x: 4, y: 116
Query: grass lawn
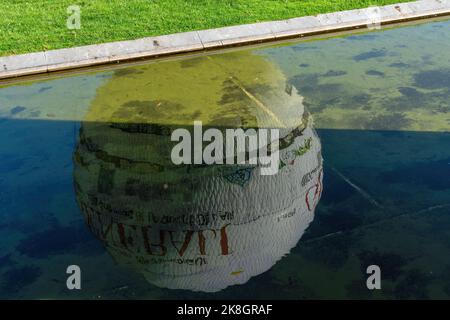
x: 27, y: 26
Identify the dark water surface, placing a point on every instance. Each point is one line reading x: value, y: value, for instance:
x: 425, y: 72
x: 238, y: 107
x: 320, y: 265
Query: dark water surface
x: 86, y: 176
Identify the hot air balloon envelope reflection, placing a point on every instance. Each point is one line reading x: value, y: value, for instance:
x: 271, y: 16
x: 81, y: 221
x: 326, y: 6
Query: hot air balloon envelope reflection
x: 196, y: 226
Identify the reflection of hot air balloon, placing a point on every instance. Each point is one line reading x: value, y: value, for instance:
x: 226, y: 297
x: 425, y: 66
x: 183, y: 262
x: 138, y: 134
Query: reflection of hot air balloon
x: 195, y: 227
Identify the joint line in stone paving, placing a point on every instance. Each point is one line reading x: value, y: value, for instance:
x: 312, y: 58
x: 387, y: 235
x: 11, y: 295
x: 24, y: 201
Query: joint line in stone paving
x: 429, y: 209
x: 366, y: 195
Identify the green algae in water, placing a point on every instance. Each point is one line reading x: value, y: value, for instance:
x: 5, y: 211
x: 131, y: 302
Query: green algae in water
x: 378, y: 66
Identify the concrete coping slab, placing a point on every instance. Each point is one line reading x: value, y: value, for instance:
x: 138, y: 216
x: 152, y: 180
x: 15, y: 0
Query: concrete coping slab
x: 77, y: 57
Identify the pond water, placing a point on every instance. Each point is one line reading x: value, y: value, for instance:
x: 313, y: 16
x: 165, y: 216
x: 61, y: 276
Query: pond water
x: 87, y: 178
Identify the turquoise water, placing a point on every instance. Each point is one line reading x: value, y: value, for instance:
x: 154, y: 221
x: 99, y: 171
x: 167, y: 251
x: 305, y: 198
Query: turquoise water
x: 364, y: 179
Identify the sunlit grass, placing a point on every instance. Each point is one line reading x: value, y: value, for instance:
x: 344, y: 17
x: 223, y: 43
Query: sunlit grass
x: 27, y: 26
